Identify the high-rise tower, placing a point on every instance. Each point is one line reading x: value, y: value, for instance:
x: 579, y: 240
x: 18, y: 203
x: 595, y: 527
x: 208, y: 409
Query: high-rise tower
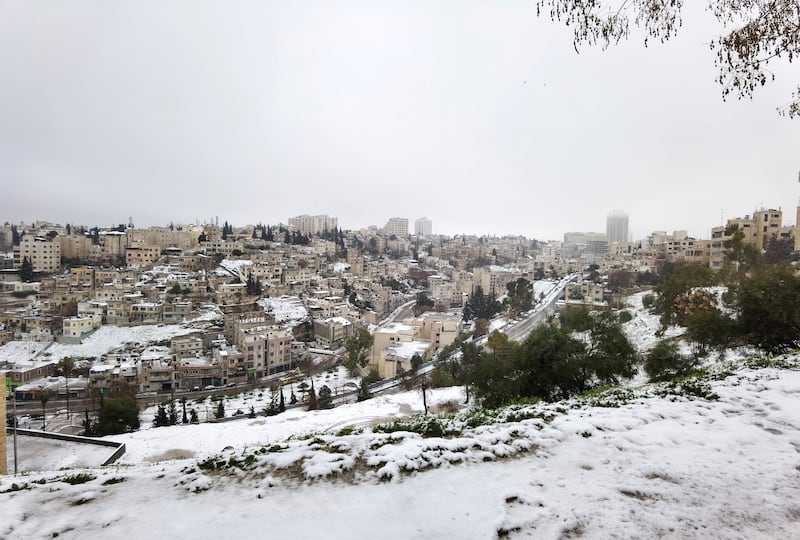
x: 617, y: 227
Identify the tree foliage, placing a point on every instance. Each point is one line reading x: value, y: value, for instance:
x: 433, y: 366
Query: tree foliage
x: 756, y: 32
x: 676, y: 281
x: 480, y: 306
x: 767, y: 303
x: 357, y: 347
x: 664, y: 362
x: 117, y: 415
x: 552, y: 364
x: 26, y: 273
x: 520, y: 296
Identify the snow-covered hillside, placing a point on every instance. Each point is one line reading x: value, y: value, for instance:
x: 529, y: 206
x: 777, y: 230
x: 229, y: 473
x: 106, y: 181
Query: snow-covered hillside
x: 715, y: 456
x: 648, y: 463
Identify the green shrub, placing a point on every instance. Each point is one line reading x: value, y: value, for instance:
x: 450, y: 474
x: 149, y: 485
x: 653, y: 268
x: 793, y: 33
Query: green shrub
x: 80, y: 478
x: 664, y: 362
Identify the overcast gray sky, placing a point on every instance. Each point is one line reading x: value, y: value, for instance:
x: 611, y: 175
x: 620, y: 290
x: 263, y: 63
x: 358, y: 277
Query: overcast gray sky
x: 478, y: 115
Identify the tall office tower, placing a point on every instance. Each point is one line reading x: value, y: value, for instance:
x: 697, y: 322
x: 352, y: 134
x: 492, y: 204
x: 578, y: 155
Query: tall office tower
x: 617, y: 227
x: 423, y: 227
x: 396, y: 226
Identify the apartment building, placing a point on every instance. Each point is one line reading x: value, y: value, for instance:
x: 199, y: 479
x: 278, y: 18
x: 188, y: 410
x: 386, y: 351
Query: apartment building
x: 393, y: 347
x: 77, y: 327
x: 186, y: 346
x: 313, y: 224
x: 332, y: 332
x: 423, y: 227
x: 396, y: 226
x: 142, y: 255
x: 43, y: 252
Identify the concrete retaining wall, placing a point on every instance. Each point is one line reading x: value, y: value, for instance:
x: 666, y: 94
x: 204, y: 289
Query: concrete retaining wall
x: 118, y: 452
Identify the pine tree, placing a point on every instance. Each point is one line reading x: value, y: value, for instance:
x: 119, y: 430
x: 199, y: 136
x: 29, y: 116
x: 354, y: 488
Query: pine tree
x: 184, y: 418
x: 161, y: 419
x: 26, y: 270
x: 220, y: 412
x: 313, y: 404
x: 173, y: 413
x: 325, y: 397
x: 282, y: 403
x: 193, y: 417
x: 87, y: 424
x: 363, y: 390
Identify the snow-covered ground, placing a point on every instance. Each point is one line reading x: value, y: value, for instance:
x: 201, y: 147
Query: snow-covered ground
x: 654, y: 461
x: 648, y: 466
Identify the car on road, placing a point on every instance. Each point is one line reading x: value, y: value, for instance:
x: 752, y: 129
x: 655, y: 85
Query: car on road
x: 210, y: 387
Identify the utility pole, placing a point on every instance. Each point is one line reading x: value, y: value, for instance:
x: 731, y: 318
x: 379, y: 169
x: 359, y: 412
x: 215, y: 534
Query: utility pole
x: 15, y: 433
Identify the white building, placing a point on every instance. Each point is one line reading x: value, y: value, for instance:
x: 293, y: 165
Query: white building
x: 617, y: 227
x: 396, y: 226
x: 423, y: 227
x: 313, y: 224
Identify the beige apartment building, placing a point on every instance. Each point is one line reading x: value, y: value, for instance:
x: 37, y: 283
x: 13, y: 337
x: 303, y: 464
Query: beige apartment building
x: 165, y: 237
x: 142, y: 255
x: 43, y: 253
x: 77, y: 327
x: 393, y: 347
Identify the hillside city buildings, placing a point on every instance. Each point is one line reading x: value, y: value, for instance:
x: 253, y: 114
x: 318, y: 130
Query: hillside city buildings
x: 260, y: 301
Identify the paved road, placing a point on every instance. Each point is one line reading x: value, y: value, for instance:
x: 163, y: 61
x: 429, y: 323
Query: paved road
x: 520, y: 330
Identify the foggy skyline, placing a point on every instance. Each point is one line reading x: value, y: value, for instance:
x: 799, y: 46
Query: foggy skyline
x: 480, y: 117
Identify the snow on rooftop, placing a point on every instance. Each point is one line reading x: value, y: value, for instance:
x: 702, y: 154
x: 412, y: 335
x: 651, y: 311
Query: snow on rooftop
x: 103, y: 340
x: 284, y: 309
x: 407, y: 349
x: 340, y: 267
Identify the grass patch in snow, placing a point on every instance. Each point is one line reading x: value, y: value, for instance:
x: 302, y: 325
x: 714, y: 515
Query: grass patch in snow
x: 80, y: 478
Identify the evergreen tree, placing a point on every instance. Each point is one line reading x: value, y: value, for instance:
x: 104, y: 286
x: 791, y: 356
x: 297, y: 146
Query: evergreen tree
x: 363, y: 390
x: 161, y: 419
x: 767, y: 303
x: 184, y: 418
x: 220, y: 412
x: 282, y: 402
x: 292, y: 397
x: 172, y: 413
x: 357, y: 347
x: 88, y: 429
x: 325, y: 397
x: 313, y: 404
x: 117, y: 415
x: 193, y: 417
x: 26, y: 270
